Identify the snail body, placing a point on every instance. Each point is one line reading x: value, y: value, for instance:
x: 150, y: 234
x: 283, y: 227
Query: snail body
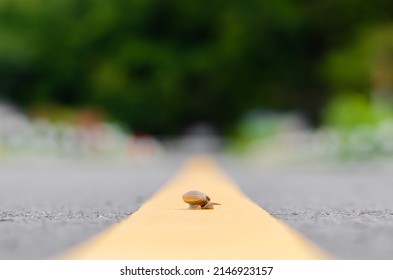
x: 198, y: 199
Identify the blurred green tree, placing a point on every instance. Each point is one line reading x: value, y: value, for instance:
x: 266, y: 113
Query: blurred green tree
x: 158, y: 66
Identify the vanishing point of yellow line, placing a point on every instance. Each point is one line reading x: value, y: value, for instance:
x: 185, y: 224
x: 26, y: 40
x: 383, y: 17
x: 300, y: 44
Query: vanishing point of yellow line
x: 164, y: 227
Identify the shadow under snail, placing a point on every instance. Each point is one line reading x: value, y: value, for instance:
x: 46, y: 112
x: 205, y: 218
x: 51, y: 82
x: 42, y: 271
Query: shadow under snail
x: 198, y: 199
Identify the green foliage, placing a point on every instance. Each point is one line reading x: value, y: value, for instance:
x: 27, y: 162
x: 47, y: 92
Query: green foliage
x: 257, y: 128
x: 363, y: 127
x: 348, y: 111
x: 158, y: 65
x: 355, y: 66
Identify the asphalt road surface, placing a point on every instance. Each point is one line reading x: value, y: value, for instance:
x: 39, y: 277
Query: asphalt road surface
x: 49, y: 207
x: 345, y: 210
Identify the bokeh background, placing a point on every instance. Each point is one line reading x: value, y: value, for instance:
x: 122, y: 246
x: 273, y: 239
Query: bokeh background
x: 102, y: 100
x: 90, y: 75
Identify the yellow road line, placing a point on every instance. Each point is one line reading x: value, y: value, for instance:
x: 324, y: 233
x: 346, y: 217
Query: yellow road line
x: 163, y: 228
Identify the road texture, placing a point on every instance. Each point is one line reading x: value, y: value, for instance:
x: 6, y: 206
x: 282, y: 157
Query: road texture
x: 47, y: 208
x: 346, y: 210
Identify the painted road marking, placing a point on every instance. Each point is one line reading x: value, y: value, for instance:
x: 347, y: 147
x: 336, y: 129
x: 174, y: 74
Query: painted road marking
x: 164, y: 227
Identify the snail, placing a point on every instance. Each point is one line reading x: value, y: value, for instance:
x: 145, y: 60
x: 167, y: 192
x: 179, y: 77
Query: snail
x: 198, y: 199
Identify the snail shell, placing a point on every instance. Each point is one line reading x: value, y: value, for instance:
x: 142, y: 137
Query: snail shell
x: 198, y: 199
